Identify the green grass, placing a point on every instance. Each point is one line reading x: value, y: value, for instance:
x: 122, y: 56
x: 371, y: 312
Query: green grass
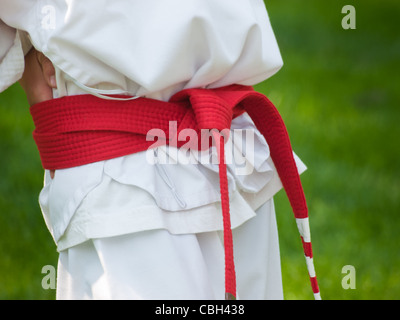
x: 25, y: 244
x: 338, y: 93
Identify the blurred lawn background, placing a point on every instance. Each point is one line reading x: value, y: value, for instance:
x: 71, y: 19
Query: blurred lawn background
x: 339, y: 95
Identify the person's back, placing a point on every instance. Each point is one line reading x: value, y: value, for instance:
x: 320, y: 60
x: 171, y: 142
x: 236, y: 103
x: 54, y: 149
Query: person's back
x: 99, y: 211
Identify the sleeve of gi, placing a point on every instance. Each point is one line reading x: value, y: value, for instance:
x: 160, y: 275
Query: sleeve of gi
x: 14, y: 43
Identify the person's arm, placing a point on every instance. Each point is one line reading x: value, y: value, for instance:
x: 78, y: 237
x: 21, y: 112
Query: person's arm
x: 38, y: 78
x: 38, y: 74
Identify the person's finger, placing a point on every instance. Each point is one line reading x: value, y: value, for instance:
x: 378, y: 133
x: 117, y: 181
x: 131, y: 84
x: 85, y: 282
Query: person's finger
x: 48, y: 70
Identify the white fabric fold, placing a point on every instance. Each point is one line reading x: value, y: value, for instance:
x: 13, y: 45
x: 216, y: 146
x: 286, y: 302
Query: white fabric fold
x: 12, y: 58
x: 157, y: 265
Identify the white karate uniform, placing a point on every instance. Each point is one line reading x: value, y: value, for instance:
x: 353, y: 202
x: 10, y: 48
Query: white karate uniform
x: 126, y: 228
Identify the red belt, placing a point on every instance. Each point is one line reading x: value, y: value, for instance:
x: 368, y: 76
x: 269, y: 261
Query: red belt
x: 77, y: 130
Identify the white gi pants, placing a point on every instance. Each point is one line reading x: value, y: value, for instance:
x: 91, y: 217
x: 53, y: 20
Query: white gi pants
x: 156, y: 264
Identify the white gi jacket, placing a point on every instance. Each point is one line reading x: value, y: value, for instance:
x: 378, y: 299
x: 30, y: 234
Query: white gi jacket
x: 151, y: 48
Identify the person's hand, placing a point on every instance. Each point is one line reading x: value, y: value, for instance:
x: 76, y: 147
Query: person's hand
x: 38, y: 78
